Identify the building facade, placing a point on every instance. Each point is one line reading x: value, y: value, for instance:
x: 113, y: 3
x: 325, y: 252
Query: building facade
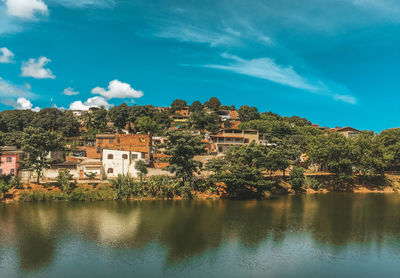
x: 117, y: 162
x: 10, y: 158
x: 233, y: 137
x: 123, y: 142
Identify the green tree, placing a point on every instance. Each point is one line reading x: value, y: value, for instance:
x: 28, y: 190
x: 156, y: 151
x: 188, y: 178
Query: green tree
x: 390, y: 139
x: 334, y: 153
x: 119, y: 115
x: 37, y: 144
x: 146, y: 124
x: 64, y: 181
x: 296, y: 178
x: 4, y: 187
x: 181, y: 149
x: 213, y: 104
x: 141, y: 167
x: 196, y: 106
x: 368, y: 155
x: 248, y: 113
x: 177, y: 104
x: 124, y: 186
x: 241, y: 171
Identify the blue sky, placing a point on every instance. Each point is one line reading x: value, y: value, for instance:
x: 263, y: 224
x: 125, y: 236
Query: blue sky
x: 334, y: 62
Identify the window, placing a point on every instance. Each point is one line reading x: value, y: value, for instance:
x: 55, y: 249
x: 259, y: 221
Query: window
x: 8, y: 159
x: 110, y: 141
x: 12, y: 172
x: 1, y: 171
x: 134, y: 156
x: 124, y: 156
x: 110, y: 170
x: 110, y: 156
x: 100, y: 141
x: 143, y: 155
x: 119, y: 140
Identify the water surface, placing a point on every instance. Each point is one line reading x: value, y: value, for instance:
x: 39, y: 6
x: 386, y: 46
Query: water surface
x: 332, y: 235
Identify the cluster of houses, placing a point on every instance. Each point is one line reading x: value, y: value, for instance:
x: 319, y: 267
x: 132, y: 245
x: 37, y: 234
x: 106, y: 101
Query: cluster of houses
x: 109, y: 155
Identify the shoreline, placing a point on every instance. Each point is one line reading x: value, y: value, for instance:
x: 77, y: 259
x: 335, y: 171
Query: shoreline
x: 14, y: 195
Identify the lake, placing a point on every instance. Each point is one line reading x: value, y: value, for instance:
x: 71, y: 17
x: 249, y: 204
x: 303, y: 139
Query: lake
x: 330, y: 235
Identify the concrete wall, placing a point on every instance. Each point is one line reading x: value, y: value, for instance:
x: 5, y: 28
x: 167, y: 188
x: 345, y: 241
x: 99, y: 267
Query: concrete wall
x: 119, y: 164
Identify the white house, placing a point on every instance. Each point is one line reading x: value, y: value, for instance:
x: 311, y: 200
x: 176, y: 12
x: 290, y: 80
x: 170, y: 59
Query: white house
x: 120, y: 162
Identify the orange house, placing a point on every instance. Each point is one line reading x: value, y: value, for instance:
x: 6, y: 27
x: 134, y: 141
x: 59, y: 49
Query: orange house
x: 122, y: 142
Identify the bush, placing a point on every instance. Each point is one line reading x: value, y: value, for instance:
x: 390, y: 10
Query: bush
x: 296, y: 178
x: 312, y: 183
x: 102, y: 193
x: 42, y: 196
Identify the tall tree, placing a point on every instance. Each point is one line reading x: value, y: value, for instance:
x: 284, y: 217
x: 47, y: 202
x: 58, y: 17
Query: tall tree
x: 181, y: 149
x: 146, y: 124
x: 248, y: 113
x: 368, y: 155
x: 196, y: 106
x: 213, y: 104
x: 37, y: 144
x: 177, y: 104
x: 119, y: 115
x: 334, y: 153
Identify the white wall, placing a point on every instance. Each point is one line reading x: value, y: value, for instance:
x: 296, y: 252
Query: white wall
x: 118, y: 164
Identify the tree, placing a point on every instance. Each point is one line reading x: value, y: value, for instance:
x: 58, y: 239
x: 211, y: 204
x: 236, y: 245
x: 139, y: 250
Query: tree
x: 390, y: 139
x: 297, y: 178
x: 64, y: 181
x: 141, y: 167
x: 248, y: 113
x: 196, y: 106
x: 213, y: 104
x: 119, y: 115
x: 368, y: 155
x: 177, y: 104
x: 241, y: 171
x: 181, y: 149
x: 209, y: 121
x: 37, y: 144
x: 123, y: 186
x: 334, y: 153
x: 146, y: 125
x: 4, y: 187
x: 16, y: 120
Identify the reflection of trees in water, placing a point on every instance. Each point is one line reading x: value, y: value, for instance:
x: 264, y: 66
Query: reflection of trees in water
x: 186, y: 229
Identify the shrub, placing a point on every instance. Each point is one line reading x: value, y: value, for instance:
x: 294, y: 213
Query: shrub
x: 102, y: 193
x: 312, y: 183
x: 42, y: 196
x: 296, y: 178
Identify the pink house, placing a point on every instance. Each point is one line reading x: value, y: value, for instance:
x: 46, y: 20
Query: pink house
x: 9, y: 160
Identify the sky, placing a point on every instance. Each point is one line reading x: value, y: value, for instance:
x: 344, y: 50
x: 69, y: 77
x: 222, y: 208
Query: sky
x: 334, y: 62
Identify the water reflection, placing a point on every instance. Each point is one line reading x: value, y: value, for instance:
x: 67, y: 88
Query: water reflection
x: 188, y: 229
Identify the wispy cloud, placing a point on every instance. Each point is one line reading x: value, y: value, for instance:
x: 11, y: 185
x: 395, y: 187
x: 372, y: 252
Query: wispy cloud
x: 267, y: 68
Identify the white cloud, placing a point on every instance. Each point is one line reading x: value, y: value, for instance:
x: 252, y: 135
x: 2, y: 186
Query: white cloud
x: 8, y: 90
x: 266, y: 68
x: 35, y: 68
x: 117, y: 89
x: 70, y: 92
x: 26, y: 9
x: 21, y: 104
x: 91, y: 102
x: 6, y: 55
